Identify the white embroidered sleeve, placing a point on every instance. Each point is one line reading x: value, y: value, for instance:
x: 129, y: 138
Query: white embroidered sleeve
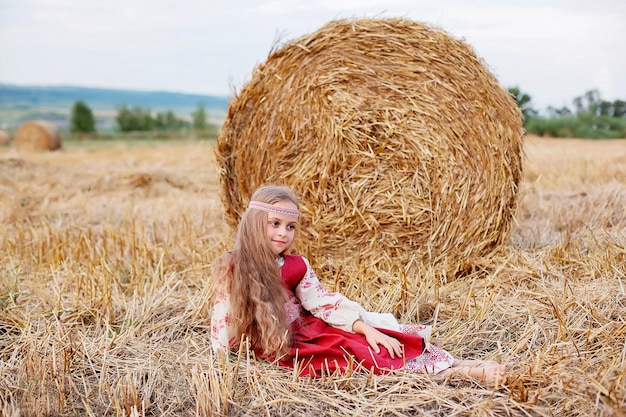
x: 334, y: 308
x: 382, y: 320
x: 222, y: 329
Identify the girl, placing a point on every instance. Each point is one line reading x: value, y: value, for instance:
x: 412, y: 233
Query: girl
x: 275, y: 301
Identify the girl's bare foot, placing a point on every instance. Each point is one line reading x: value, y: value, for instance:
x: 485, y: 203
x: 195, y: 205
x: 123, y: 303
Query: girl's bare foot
x: 484, y: 371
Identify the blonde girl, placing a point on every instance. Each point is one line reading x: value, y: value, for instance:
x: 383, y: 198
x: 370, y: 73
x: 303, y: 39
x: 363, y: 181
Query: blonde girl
x: 274, y: 300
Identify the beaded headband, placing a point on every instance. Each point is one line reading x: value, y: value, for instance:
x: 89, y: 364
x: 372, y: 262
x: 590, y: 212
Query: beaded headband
x: 270, y: 208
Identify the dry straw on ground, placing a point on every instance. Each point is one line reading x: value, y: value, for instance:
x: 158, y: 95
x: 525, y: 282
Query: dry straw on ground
x: 105, y: 255
x: 37, y: 135
x: 400, y: 143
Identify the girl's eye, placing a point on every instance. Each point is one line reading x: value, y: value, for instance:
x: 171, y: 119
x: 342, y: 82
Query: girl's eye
x: 274, y: 223
x: 291, y: 227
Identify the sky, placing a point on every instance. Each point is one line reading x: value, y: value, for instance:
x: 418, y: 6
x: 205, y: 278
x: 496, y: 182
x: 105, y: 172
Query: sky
x: 553, y: 50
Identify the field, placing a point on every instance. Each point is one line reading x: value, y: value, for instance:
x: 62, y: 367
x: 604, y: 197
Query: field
x: 105, y: 253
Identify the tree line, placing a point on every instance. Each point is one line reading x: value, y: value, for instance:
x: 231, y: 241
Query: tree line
x: 589, y: 117
x: 138, y: 119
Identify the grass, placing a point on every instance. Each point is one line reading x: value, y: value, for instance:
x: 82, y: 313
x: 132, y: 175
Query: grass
x: 105, y: 254
x: 584, y: 125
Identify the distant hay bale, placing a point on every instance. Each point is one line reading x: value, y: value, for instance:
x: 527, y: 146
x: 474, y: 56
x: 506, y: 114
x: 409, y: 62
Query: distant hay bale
x: 37, y: 135
x: 400, y: 143
x: 5, y: 138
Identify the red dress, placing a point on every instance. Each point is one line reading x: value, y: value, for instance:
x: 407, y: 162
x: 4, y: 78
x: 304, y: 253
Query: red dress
x: 321, y: 324
x: 320, y: 348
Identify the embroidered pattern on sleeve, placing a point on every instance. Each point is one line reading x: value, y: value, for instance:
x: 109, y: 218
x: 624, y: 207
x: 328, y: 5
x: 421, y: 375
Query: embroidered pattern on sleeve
x: 222, y: 322
x: 334, y: 308
x: 219, y: 331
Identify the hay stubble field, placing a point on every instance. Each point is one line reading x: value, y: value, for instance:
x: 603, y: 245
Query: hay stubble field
x: 105, y: 255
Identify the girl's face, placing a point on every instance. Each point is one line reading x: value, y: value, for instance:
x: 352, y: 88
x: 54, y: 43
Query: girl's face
x: 281, y: 228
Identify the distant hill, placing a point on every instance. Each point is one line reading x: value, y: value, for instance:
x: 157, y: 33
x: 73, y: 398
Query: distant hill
x: 54, y: 103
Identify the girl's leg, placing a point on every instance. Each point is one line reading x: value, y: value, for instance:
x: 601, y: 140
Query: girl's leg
x: 485, y: 371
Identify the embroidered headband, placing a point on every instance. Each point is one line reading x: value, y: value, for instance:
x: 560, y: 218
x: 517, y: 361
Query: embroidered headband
x: 270, y: 208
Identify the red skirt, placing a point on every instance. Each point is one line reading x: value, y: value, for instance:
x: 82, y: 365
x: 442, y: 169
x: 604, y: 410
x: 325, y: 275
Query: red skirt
x: 318, y: 349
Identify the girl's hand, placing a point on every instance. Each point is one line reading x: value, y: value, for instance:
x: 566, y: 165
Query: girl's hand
x: 375, y: 337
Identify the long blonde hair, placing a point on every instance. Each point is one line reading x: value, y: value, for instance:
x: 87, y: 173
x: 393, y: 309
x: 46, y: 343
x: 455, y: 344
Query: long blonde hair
x: 253, y: 277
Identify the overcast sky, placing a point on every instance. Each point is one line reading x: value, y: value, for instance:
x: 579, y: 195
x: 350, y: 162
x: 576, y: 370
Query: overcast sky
x: 554, y: 50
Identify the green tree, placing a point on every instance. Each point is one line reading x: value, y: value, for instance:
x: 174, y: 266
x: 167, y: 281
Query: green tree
x: 126, y: 120
x: 142, y: 120
x: 524, y: 102
x: 159, y: 121
x: 593, y: 101
x: 199, y: 118
x: 592, y: 117
x: 563, y: 112
x: 82, y: 118
x: 146, y: 122
x: 135, y: 120
x: 606, y: 108
x: 170, y: 121
x: 619, y: 108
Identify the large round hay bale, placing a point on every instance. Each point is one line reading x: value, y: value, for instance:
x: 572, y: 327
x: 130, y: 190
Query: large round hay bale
x: 401, y: 144
x: 5, y: 138
x: 37, y: 135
